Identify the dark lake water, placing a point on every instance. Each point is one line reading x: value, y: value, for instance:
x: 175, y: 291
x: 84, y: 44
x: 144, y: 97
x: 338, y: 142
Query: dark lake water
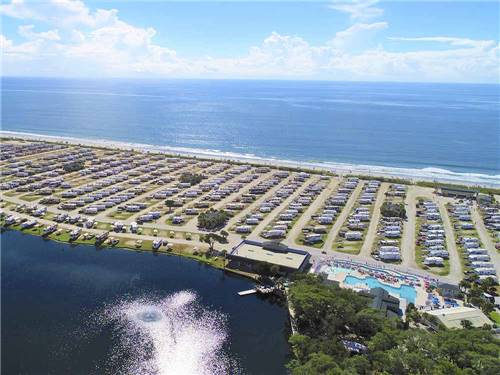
x: 76, y: 310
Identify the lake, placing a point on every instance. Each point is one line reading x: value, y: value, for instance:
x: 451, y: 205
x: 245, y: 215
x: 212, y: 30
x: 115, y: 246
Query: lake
x: 78, y: 310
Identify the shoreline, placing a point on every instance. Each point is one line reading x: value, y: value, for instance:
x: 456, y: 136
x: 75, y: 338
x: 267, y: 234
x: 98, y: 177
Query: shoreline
x: 412, y: 175
x: 123, y: 247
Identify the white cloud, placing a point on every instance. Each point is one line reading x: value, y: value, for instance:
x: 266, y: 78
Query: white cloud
x: 99, y: 43
x: 4, y: 42
x: 62, y: 13
x: 358, y: 35
x: 358, y: 9
x: 458, y: 42
x: 27, y: 32
x: 18, y: 9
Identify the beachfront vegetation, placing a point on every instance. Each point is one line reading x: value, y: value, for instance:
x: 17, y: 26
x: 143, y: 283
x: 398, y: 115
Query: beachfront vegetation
x: 212, y: 219
x: 391, y: 209
x: 191, y: 178
x: 325, y: 315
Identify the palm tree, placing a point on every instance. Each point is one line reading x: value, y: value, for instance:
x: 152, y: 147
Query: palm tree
x: 464, y: 285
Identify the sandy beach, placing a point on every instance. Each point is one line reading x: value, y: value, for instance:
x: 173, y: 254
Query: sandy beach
x: 412, y: 175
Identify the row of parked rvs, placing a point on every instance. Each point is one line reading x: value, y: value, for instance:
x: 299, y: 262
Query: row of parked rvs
x: 431, y: 235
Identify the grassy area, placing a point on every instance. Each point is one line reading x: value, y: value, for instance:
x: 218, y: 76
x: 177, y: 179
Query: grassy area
x: 120, y: 215
x: 11, y: 193
x: 130, y: 244
x: 350, y: 247
x: 300, y: 240
x: 8, y: 205
x: 30, y: 197
x: 353, y: 247
x: 495, y: 316
x: 103, y: 226
x: 169, y: 221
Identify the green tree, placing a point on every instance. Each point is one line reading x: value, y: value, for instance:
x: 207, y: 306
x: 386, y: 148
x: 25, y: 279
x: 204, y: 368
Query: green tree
x: 211, y: 239
x: 326, y: 315
x: 212, y: 219
x: 169, y: 203
x: 391, y: 209
x: 466, y: 324
x: 224, y: 234
x: 74, y: 166
x: 301, y: 345
x: 318, y: 364
x: 191, y: 178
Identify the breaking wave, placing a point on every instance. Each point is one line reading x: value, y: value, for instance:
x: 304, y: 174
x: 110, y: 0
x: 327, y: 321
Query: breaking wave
x: 173, y: 335
x: 423, y: 174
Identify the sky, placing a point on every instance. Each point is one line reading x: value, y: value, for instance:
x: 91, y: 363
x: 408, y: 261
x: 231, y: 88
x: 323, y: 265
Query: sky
x: 358, y: 40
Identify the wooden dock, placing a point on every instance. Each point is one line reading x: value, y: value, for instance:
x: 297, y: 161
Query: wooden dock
x: 247, y: 292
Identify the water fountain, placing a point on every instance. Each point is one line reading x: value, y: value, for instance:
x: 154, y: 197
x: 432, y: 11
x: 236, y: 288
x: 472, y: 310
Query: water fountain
x: 173, y: 335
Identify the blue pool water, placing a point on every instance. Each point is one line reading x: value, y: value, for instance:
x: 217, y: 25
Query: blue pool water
x: 407, y: 292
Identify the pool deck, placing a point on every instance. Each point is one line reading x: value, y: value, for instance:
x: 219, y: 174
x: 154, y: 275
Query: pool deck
x: 339, y: 275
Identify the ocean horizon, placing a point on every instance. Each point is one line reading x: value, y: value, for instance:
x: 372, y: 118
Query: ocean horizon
x: 441, y: 131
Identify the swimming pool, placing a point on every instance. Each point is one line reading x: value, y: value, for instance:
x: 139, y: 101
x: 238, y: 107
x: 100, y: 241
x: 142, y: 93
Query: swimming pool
x: 405, y: 291
x: 335, y: 270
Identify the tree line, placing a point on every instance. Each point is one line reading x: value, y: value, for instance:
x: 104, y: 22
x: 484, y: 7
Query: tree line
x: 326, y: 315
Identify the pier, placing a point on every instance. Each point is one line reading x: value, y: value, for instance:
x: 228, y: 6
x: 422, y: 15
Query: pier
x: 247, y: 292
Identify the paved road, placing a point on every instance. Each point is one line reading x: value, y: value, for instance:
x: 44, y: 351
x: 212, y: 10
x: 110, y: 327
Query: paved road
x: 456, y: 272
x: 103, y: 216
x: 339, y: 222
x: 408, y: 240
x: 192, y: 224
x: 371, y: 234
x: 248, y: 209
x: 311, y: 210
x: 317, y: 254
x: 255, y: 235
x: 485, y: 238
x: 233, y: 240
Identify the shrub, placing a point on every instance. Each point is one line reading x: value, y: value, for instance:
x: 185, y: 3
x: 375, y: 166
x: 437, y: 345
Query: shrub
x: 390, y: 209
x: 212, y: 219
x: 74, y: 166
x: 191, y: 178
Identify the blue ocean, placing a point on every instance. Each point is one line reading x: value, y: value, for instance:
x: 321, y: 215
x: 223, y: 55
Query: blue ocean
x: 446, y: 128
